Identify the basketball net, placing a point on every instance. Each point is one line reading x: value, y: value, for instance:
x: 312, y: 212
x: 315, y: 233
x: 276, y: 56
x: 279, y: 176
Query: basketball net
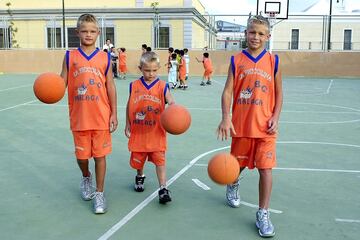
x: 272, y: 20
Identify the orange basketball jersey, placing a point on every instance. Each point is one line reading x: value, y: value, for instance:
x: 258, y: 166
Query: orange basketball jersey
x: 207, y: 64
x: 182, y: 68
x: 146, y: 103
x: 253, y: 93
x: 89, y: 106
x: 122, y: 58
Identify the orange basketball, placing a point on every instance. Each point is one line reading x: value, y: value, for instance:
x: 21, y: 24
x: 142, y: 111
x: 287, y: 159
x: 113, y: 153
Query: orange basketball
x: 175, y: 119
x: 49, y: 87
x: 223, y: 168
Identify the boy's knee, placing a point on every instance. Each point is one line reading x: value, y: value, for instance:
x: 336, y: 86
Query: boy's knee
x: 265, y: 171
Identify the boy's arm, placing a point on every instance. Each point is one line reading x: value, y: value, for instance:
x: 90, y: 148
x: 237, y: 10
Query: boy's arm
x: 273, y: 123
x: 127, y: 124
x: 111, y: 91
x: 64, y: 71
x: 168, y: 97
x: 226, y: 127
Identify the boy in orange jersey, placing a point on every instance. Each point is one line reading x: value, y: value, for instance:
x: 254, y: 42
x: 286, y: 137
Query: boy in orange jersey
x: 208, y: 69
x: 255, y: 86
x: 182, y: 71
x: 92, y: 107
x: 147, y: 138
x: 122, y: 63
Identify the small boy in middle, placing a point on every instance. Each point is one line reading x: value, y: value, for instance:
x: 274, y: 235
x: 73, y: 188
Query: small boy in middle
x: 147, y: 138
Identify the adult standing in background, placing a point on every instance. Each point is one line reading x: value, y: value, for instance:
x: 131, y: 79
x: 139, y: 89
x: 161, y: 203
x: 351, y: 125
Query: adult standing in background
x: 108, y: 45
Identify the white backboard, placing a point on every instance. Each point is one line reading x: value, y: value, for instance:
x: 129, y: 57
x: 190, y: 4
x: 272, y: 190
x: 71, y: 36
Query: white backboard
x: 280, y: 7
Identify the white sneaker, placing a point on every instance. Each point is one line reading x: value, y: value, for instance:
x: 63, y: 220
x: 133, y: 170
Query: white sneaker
x: 86, y: 188
x: 263, y: 223
x: 99, y: 203
x: 233, y: 195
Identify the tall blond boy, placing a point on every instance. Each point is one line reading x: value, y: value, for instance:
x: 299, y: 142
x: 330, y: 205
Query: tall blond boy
x: 92, y: 107
x: 254, y: 85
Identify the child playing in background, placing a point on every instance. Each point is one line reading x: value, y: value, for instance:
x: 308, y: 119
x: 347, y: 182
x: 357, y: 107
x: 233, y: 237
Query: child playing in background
x: 187, y: 61
x: 114, y: 58
x: 87, y: 76
x: 170, y: 52
x: 208, y: 69
x: 122, y: 63
x: 147, y: 138
x: 143, y: 48
x: 254, y: 77
x: 173, y: 71
x: 182, y: 71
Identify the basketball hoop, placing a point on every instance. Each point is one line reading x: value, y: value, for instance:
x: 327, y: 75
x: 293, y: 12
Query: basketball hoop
x: 272, y: 17
x: 272, y: 20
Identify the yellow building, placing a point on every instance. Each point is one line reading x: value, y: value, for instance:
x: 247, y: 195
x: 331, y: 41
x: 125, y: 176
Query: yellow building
x: 127, y: 23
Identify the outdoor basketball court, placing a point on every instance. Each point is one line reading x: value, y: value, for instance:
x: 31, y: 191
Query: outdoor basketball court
x: 316, y: 183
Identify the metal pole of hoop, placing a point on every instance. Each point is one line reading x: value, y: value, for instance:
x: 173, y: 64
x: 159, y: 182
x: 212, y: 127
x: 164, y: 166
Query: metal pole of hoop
x: 272, y: 21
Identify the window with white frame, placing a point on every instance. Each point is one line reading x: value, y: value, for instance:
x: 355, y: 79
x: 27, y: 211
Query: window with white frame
x: 164, y: 37
x: 72, y: 39
x: 53, y: 37
x: 5, y: 38
x: 347, y: 39
x: 294, y: 39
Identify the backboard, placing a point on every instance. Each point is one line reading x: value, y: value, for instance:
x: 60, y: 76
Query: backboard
x: 279, y: 7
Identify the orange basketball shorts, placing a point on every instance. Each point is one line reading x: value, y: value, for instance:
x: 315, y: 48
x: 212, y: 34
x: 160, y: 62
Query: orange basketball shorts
x: 254, y: 152
x: 182, y: 75
x: 122, y: 68
x: 138, y: 159
x: 207, y: 73
x: 92, y: 143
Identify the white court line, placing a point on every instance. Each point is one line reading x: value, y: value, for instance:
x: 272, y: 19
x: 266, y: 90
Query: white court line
x: 347, y: 220
x: 318, y: 170
x: 200, y: 184
x: 21, y: 86
x: 324, y: 105
x: 257, y: 206
x: 19, y: 105
x: 144, y: 203
x: 329, y: 87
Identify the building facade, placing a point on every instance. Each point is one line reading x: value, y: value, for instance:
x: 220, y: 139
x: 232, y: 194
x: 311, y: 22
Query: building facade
x: 127, y: 23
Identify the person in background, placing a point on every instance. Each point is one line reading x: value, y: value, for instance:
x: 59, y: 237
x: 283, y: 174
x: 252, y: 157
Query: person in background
x: 122, y: 63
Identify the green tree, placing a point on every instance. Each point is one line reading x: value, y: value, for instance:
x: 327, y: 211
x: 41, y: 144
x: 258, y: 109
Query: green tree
x: 12, y: 29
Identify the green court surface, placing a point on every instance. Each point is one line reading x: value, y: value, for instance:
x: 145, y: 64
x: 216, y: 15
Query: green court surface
x: 316, y: 182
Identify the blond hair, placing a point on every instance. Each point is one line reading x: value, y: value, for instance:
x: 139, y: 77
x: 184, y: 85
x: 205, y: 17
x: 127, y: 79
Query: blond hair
x: 258, y: 19
x: 149, y: 57
x: 86, y: 18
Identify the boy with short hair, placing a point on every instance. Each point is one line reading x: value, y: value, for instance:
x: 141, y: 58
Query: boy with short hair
x: 114, y: 59
x: 122, y: 63
x: 182, y: 71
x: 254, y: 83
x: 147, y: 138
x: 92, y: 107
x: 173, y: 64
x: 208, y: 69
x: 187, y: 62
x: 143, y: 48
